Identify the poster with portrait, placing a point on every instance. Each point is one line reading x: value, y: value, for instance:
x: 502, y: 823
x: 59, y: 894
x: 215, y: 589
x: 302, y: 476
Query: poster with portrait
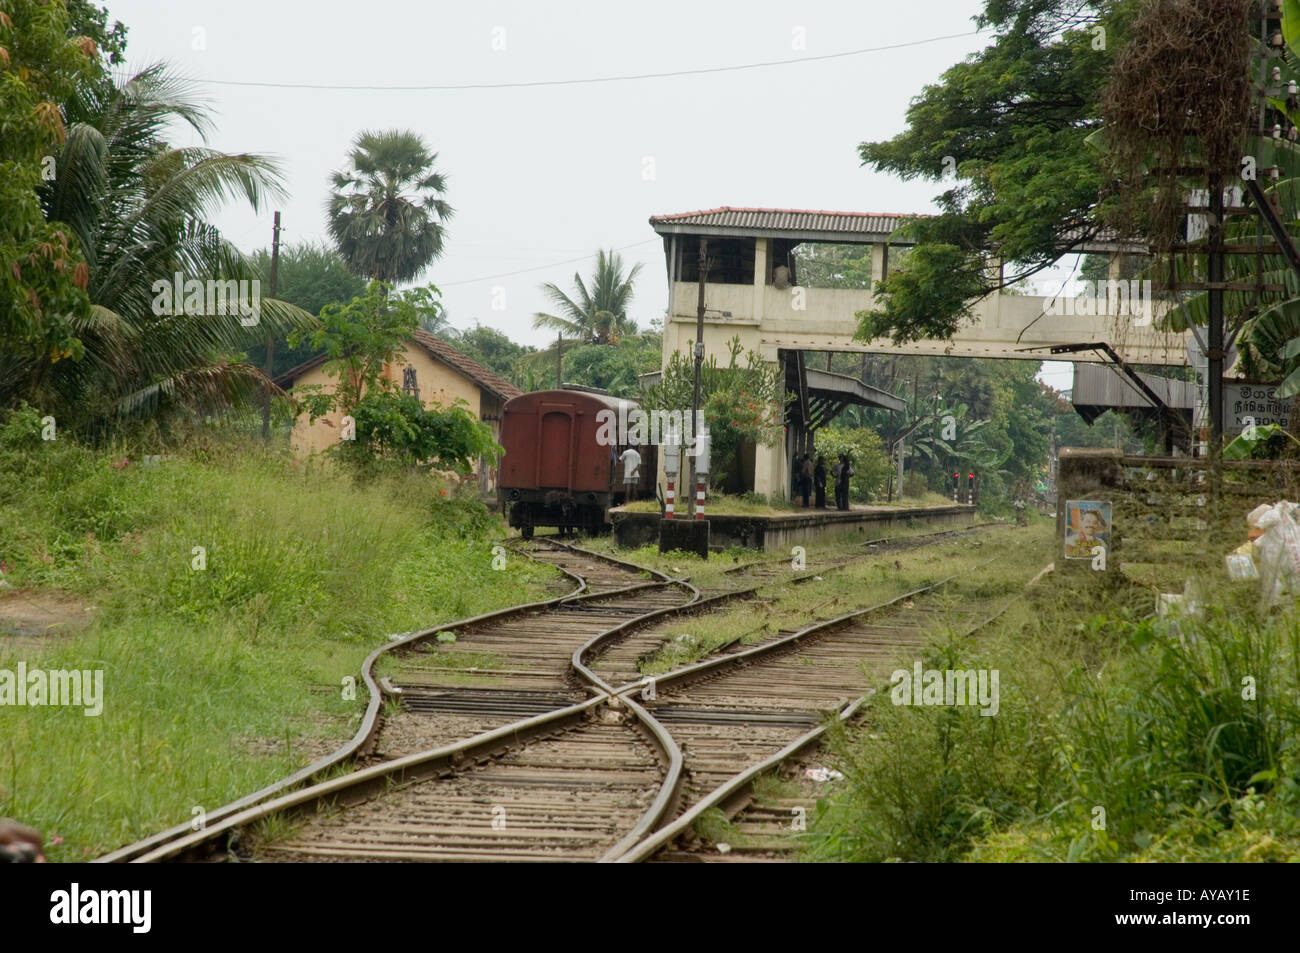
x: 1087, y: 525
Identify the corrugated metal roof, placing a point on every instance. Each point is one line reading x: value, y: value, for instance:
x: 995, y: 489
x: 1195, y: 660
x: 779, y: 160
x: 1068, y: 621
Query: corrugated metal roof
x: 768, y: 220
x: 843, y: 387
x: 814, y: 224
x: 1104, y: 386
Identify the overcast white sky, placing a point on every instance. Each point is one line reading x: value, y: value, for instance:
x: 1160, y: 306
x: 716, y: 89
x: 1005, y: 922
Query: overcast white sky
x: 541, y: 177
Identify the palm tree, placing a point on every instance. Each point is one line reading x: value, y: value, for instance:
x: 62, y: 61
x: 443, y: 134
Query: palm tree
x: 598, y: 315
x: 386, y: 214
x: 138, y: 207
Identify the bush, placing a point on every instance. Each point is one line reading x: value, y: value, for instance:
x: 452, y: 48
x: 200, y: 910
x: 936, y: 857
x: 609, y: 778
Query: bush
x: 395, y: 431
x: 1182, y: 738
x: 871, y: 465
x: 305, y: 571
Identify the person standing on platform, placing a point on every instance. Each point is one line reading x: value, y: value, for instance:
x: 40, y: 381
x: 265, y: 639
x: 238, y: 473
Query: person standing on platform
x: 843, y: 473
x: 819, y: 481
x: 631, y: 461
x: 806, y: 479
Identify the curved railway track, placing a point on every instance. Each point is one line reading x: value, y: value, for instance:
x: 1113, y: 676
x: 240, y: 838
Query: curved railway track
x: 546, y: 751
x: 531, y: 678
x: 742, y: 717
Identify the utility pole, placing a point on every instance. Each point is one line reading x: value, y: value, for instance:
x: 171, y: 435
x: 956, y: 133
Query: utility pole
x: 270, y: 338
x: 1214, y: 350
x: 699, y: 356
x: 559, y: 358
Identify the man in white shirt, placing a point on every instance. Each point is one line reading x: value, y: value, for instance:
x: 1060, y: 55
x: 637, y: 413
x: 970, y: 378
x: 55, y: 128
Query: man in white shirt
x: 631, y: 462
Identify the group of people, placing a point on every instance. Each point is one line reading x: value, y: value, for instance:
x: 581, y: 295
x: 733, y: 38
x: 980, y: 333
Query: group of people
x: 810, y: 477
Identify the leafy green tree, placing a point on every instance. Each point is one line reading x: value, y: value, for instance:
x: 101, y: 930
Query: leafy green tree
x: 393, y: 428
x: 596, y: 314
x: 43, y: 275
x: 360, y: 339
x: 386, y: 212
x: 139, y: 209
x: 495, y: 351
x: 968, y: 445
x: 615, y: 369
x: 739, y: 402
x: 395, y: 431
x: 91, y: 20
x: 822, y: 265
x: 1018, y: 413
x: 871, y: 465
x: 312, y: 275
x: 1008, y: 128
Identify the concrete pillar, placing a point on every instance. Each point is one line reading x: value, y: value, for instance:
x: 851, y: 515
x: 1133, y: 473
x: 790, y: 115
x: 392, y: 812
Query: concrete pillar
x: 1113, y: 268
x: 879, y: 262
x: 770, y: 477
x: 762, y: 249
x: 1087, y: 475
x: 771, y: 466
x: 995, y: 268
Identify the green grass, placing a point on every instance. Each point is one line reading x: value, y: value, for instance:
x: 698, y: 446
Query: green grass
x: 725, y: 504
x: 714, y: 570
x: 748, y: 504
x: 783, y: 605
x: 218, y: 681
x: 1119, y: 737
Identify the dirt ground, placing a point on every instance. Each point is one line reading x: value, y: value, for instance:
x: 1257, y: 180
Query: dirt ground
x: 29, y: 619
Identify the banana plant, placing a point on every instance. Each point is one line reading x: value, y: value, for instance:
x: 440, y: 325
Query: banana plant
x: 969, y: 447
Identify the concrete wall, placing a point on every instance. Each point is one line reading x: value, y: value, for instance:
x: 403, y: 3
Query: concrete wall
x: 1002, y: 326
x: 779, y: 533
x: 767, y: 319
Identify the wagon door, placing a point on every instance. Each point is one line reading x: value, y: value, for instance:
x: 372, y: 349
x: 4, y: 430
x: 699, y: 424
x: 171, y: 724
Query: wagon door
x: 555, y: 449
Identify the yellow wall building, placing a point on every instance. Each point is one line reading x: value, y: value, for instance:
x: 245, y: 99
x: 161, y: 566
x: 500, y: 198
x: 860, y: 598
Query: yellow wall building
x: 436, y: 371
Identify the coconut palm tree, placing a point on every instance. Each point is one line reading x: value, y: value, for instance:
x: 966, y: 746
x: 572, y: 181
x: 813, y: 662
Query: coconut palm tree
x: 138, y: 209
x: 597, y: 315
x: 386, y: 214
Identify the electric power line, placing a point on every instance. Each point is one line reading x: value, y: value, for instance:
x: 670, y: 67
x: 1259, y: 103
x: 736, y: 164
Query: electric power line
x: 589, y: 80
x: 554, y: 264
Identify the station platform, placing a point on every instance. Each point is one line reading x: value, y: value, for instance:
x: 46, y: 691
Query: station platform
x: 781, y: 531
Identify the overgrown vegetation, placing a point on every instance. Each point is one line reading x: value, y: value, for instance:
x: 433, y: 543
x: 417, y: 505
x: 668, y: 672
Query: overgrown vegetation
x: 741, y: 401
x: 783, y: 606
x: 1119, y: 737
x: 393, y: 428
x: 220, y: 679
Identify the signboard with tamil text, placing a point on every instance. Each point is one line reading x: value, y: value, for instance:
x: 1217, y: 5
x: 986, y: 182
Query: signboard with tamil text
x: 1260, y: 402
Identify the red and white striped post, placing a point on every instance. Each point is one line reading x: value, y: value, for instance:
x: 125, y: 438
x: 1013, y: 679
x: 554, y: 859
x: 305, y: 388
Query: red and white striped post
x: 672, y: 463
x: 703, y: 445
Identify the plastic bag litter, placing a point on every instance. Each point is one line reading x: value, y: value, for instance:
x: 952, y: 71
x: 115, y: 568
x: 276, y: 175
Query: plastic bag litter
x: 1277, y: 550
x: 823, y: 774
x: 1172, y: 604
x: 1241, y: 568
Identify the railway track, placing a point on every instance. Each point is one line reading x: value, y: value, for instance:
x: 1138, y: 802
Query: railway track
x: 514, y: 665
x: 526, y: 674
x: 570, y: 796
x: 620, y: 662
x: 766, y: 570
x: 750, y: 715
x: 539, y: 754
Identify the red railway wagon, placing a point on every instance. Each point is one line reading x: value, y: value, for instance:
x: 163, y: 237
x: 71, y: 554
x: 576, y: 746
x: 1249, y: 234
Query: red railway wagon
x: 556, y: 471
